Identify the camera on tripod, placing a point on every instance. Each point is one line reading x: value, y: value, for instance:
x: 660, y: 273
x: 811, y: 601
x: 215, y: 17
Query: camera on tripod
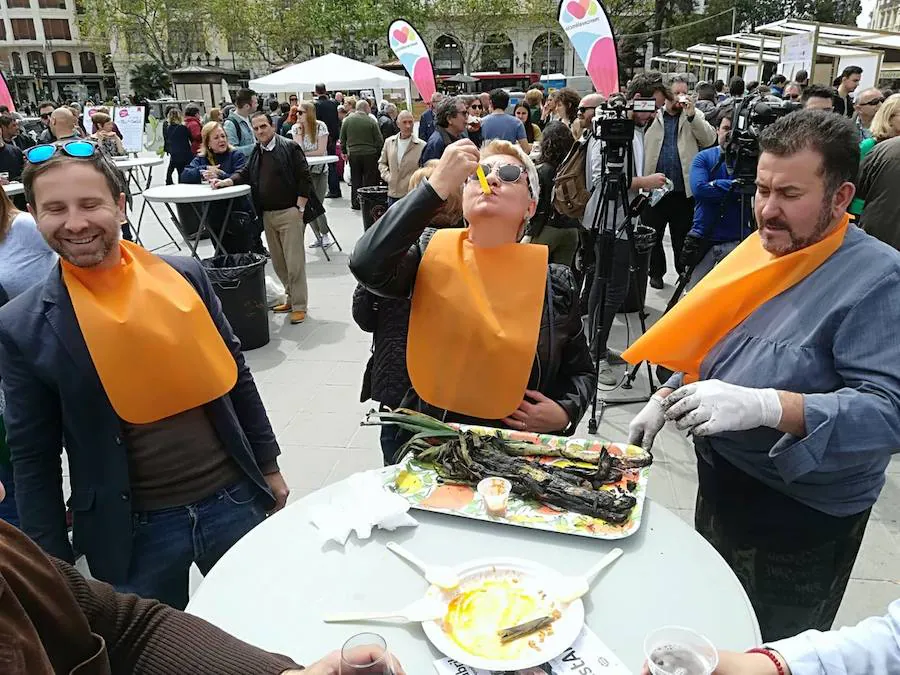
x: 611, y: 123
x: 751, y: 115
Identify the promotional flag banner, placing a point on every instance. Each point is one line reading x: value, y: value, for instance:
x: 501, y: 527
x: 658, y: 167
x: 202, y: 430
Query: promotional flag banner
x: 413, y: 54
x: 5, y: 97
x: 590, y: 32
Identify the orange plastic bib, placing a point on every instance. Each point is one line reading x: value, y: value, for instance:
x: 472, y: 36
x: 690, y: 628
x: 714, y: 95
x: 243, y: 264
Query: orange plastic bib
x: 745, y: 280
x: 474, y: 325
x: 151, y: 338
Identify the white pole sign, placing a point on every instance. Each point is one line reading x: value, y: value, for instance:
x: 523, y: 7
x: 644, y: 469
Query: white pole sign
x: 130, y: 121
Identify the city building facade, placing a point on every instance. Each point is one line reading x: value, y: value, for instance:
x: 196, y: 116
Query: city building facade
x: 43, y: 57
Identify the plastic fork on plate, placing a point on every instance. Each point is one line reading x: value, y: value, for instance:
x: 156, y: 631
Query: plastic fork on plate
x: 439, y: 575
x: 425, y: 609
x: 575, y: 587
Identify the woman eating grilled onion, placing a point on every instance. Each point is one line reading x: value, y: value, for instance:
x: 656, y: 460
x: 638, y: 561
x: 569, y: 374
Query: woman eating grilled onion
x: 495, y: 333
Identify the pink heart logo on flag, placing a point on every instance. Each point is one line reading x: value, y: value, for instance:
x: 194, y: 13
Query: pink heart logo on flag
x: 401, y: 35
x: 576, y: 9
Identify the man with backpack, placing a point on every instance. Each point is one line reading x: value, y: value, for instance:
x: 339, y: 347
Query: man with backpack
x: 237, y: 124
x: 591, y: 150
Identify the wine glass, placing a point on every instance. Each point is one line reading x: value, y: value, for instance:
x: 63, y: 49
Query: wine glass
x: 366, y: 654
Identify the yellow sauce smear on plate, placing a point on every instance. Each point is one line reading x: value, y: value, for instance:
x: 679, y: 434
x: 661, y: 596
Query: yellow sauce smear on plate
x: 474, y: 617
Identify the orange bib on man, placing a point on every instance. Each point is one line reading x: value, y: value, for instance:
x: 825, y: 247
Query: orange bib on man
x: 151, y: 338
x: 474, y: 324
x: 745, y: 280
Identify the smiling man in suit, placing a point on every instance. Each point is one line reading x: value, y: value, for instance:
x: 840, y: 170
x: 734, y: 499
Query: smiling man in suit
x: 127, y: 359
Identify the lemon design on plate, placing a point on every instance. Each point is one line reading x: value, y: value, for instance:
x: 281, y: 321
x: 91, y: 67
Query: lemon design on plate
x: 408, y: 482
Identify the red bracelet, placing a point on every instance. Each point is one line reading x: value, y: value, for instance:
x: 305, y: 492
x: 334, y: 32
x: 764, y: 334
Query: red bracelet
x: 768, y: 652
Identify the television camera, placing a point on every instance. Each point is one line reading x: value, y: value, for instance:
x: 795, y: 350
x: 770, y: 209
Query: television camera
x: 751, y: 115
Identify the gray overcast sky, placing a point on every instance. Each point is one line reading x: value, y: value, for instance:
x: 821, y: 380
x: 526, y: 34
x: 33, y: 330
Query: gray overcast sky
x: 867, y: 7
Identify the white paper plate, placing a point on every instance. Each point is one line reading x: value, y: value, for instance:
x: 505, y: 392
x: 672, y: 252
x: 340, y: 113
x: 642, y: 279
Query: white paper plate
x: 565, y: 629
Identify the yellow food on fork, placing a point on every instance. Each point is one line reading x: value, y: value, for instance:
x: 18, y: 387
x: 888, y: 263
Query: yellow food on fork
x: 485, y: 188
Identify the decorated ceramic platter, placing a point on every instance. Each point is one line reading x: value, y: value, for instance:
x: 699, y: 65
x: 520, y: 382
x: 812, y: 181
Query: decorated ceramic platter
x: 421, y: 486
x: 497, y: 594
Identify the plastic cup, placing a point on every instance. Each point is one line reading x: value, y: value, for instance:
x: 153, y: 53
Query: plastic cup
x: 673, y: 650
x: 495, y: 493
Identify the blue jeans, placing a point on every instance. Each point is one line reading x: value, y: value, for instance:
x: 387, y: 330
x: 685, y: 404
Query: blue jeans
x: 334, y: 183
x: 8, y: 506
x: 713, y: 257
x: 166, y: 542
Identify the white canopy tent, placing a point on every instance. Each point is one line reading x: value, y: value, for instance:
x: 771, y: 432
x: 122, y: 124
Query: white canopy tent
x: 337, y: 73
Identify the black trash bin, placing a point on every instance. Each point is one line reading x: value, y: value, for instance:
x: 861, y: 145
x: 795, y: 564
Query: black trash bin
x: 644, y: 239
x: 240, y: 282
x: 373, y: 202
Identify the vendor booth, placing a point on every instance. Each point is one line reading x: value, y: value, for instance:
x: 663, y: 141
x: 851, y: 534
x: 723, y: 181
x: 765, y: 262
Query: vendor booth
x: 337, y: 73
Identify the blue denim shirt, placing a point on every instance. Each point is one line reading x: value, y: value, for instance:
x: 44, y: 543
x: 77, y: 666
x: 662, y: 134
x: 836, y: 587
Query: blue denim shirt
x: 669, y: 163
x: 831, y: 337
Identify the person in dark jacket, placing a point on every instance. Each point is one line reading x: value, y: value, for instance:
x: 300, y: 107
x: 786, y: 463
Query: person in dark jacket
x: 327, y: 112
x: 148, y: 470
x: 57, y: 621
x: 219, y: 159
x: 549, y: 227
x: 386, y: 379
x: 387, y: 121
x: 451, y: 117
x: 194, y: 126
x: 283, y: 194
x: 387, y: 262
x: 178, y: 144
x: 426, y: 120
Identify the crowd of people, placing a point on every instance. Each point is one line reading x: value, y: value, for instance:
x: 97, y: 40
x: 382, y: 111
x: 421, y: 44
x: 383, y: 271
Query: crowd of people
x: 791, y: 398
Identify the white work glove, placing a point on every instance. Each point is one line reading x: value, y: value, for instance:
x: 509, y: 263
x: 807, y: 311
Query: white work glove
x: 647, y: 423
x: 712, y: 406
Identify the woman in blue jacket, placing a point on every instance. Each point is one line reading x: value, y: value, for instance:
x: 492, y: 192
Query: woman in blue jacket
x: 218, y: 159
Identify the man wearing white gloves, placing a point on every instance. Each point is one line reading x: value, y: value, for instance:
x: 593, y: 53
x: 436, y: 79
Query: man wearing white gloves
x: 793, y: 367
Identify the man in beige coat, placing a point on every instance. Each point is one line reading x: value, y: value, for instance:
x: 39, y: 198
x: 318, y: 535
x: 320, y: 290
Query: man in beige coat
x: 400, y: 158
x: 672, y: 140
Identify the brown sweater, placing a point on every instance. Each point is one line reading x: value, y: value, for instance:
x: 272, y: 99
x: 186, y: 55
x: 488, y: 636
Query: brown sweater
x: 53, y: 620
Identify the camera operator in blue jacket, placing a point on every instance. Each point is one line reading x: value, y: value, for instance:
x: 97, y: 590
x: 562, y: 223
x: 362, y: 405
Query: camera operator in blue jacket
x: 719, y: 225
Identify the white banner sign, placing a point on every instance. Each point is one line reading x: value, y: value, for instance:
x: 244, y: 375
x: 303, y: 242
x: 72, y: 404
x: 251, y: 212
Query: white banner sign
x: 130, y: 121
x: 797, y: 50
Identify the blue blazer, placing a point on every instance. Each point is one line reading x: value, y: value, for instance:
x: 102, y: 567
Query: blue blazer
x: 55, y: 397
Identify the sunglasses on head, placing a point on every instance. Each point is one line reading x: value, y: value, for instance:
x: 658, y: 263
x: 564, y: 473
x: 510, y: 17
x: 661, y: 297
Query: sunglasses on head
x: 508, y: 173
x: 877, y: 101
x: 76, y: 148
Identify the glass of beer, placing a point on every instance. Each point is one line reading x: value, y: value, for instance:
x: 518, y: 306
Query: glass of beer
x: 673, y: 650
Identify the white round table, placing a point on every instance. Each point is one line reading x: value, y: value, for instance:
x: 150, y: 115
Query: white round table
x: 322, y: 159
x: 14, y: 188
x: 128, y: 165
x: 194, y: 194
x: 273, y: 587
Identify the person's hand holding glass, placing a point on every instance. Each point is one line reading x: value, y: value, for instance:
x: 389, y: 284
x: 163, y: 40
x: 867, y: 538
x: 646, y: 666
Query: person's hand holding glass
x: 363, y: 654
x: 210, y: 173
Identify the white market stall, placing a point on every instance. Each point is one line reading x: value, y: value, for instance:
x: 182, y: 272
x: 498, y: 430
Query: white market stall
x: 337, y: 73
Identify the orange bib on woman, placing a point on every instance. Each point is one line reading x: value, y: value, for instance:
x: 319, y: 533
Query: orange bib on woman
x: 151, y: 338
x: 474, y: 324
x: 745, y: 280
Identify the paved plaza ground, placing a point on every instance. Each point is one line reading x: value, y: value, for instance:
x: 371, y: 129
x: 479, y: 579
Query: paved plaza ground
x: 309, y: 377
